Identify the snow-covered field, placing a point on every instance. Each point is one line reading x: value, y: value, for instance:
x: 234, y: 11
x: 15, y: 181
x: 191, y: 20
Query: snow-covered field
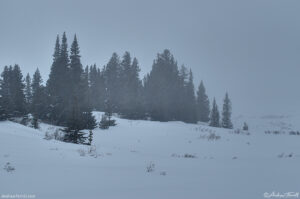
x: 185, y: 163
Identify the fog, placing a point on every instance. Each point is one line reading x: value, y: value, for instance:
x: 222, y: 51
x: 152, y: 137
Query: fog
x: 248, y: 48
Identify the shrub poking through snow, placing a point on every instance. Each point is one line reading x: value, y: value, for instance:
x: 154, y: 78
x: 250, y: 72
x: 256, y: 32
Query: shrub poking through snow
x: 150, y: 167
x: 189, y: 156
x: 294, y: 133
x: 245, y: 127
x: 210, y: 137
x: 106, y: 122
x: 163, y: 173
x: 275, y: 132
x: 8, y: 167
x: 213, y: 136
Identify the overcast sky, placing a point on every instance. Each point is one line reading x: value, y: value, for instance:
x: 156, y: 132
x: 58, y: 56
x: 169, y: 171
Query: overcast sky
x: 249, y: 48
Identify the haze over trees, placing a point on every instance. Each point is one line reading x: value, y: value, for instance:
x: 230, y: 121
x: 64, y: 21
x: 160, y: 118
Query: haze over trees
x: 72, y: 92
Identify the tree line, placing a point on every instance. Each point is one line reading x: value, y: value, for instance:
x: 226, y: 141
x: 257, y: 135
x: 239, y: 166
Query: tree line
x: 72, y: 92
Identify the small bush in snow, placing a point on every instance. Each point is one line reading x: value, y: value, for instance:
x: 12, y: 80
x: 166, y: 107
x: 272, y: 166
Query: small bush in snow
x: 150, y: 167
x: 213, y: 136
x: 106, y: 122
x: 174, y: 155
x: 275, y: 132
x: 189, y: 156
x: 163, y: 173
x: 294, y: 133
x: 281, y: 155
x: 245, y: 127
x: 285, y: 156
x: 239, y: 131
x: 9, y: 168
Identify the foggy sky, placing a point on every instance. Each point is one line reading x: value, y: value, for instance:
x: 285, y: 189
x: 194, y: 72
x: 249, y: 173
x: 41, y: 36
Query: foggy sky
x: 249, y: 48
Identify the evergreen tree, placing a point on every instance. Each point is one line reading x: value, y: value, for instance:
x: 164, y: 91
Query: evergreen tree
x: 38, y: 107
x: 190, y: 105
x: 226, y: 113
x: 58, y: 84
x: 6, y: 106
x: 202, y: 104
x: 16, y: 88
x: 112, y: 82
x: 161, y: 89
x: 79, y: 111
x: 75, y: 124
x: 130, y: 102
x: 28, y: 92
x: 214, y: 115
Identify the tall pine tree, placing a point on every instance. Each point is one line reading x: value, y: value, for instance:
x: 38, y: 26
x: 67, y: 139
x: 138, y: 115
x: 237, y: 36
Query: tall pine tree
x: 214, y: 115
x: 58, y: 84
x: 203, y: 109
x: 190, y: 102
x: 38, y: 108
x: 28, y: 91
x: 226, y: 113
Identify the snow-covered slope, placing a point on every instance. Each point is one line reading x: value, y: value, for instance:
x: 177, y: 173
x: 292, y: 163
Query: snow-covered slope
x: 187, y: 164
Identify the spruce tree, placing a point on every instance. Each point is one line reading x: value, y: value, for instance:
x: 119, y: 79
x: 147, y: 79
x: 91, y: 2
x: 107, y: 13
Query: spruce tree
x: 38, y: 107
x: 79, y: 110
x: 130, y: 102
x: 28, y: 92
x: 203, y: 109
x: 16, y: 88
x: 162, y: 85
x: 226, y: 113
x: 214, y: 115
x: 112, y: 82
x: 190, y: 105
x: 5, y: 94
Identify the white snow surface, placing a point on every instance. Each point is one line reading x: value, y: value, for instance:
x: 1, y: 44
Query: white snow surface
x: 236, y: 166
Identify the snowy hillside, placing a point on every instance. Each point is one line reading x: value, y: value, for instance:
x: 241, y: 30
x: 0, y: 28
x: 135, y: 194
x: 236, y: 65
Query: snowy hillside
x: 145, y: 159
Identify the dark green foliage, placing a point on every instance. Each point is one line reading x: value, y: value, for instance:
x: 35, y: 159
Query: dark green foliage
x: 162, y: 88
x: 97, y: 88
x: 203, y: 109
x: 245, y: 127
x: 28, y: 92
x: 74, y: 136
x: 190, y: 102
x: 106, y: 121
x: 226, y: 113
x: 214, y: 115
x: 131, y: 99
x: 71, y: 93
x: 3, y: 115
x: 38, y: 105
x: 90, y: 138
x: 112, y: 82
x: 58, y: 84
x: 11, y: 91
x: 35, y: 123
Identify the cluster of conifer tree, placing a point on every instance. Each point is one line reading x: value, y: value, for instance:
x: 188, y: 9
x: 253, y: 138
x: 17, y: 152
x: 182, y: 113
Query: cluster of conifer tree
x: 71, y: 92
